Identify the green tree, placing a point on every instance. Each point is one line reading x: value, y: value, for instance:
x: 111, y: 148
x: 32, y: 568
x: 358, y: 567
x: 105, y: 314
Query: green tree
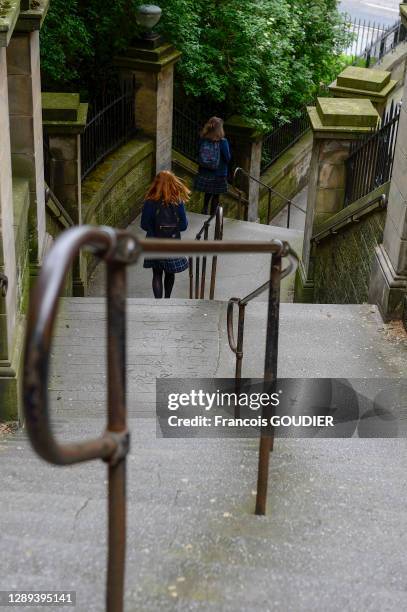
x: 260, y: 58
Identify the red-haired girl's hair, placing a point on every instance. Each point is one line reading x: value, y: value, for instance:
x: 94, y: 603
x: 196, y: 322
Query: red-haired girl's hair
x: 168, y: 189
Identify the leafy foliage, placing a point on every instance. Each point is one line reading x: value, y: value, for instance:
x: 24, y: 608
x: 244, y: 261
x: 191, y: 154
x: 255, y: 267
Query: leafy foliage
x: 259, y: 58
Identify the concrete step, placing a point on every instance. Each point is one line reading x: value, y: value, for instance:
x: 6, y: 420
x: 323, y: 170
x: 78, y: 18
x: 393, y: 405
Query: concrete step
x: 237, y: 275
x: 334, y: 537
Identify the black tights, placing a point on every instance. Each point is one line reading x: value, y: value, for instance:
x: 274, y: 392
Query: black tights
x: 213, y: 198
x: 169, y: 279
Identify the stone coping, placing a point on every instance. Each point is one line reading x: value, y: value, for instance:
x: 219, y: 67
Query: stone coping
x: 65, y: 126
x: 148, y: 60
x: 354, y: 112
x: 102, y: 179
x: 343, y: 132
x: 374, y: 96
x: 354, y: 77
x: 32, y: 19
x: 9, y: 11
x: 240, y: 126
x: 60, y: 106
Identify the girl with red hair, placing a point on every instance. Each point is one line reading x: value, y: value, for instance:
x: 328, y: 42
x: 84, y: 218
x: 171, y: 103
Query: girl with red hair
x: 164, y: 216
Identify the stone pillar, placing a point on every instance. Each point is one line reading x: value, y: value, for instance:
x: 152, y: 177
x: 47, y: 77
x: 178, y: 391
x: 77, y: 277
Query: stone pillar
x: 246, y: 144
x: 7, y: 242
x: 153, y: 71
x: 388, y: 282
x: 24, y: 86
x: 335, y: 124
x: 64, y: 119
x: 364, y: 83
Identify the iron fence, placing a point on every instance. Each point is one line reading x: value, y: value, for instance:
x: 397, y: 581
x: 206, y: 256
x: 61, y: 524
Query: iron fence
x: 387, y: 42
x: 276, y: 142
x: 188, y: 120
x: 370, y: 162
x: 371, y: 41
x: 110, y: 123
x: 186, y: 133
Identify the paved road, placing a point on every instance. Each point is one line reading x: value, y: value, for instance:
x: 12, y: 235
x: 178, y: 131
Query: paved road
x: 382, y: 11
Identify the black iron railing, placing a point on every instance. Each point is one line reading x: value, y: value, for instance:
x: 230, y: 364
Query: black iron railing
x: 282, y: 137
x: 188, y: 121
x: 365, y: 34
x: 111, y: 122
x: 370, y: 162
x: 120, y: 249
x: 197, y: 286
x: 186, y: 129
x: 271, y: 192
x: 372, y: 41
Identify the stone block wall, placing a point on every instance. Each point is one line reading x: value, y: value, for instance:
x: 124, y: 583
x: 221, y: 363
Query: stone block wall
x: 343, y: 262
x: 113, y: 193
x: 288, y: 175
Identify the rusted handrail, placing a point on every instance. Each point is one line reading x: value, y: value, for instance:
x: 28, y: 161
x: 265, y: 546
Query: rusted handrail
x: 200, y: 277
x: 271, y: 356
x: 237, y: 345
x: 271, y: 192
x: 119, y: 249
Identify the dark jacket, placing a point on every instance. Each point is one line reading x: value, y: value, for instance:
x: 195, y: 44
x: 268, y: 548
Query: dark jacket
x: 225, y: 157
x: 147, y: 222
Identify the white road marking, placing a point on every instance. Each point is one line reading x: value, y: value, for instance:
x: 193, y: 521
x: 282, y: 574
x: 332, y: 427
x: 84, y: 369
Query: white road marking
x: 383, y: 8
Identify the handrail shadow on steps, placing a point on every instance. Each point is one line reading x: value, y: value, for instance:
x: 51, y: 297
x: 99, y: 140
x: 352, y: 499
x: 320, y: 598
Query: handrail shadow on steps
x: 200, y: 276
x: 119, y: 249
x: 271, y: 192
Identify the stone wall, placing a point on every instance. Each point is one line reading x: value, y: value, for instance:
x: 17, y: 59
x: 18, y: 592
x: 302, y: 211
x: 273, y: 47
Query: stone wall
x: 343, y: 261
x: 288, y: 175
x: 113, y: 193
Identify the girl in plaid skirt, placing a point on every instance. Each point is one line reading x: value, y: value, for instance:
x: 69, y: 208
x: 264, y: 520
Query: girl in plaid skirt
x: 212, y: 181
x: 164, y: 216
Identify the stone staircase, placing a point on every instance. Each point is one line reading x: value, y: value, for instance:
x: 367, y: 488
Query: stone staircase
x: 334, y: 536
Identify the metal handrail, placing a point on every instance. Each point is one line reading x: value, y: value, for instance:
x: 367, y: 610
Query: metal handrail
x: 50, y: 195
x: 352, y: 217
x: 237, y: 345
x: 200, y: 277
x: 119, y: 249
x: 271, y: 191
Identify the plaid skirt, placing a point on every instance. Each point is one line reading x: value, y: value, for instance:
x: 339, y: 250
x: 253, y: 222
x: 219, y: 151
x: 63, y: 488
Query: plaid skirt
x: 210, y: 184
x: 172, y: 266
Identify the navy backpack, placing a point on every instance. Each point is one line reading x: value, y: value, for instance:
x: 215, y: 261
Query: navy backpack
x: 209, y: 154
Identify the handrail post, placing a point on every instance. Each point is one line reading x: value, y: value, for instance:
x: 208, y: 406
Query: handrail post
x: 191, y: 277
x: 218, y: 236
x: 116, y: 358
x: 288, y: 215
x: 239, y: 343
x: 203, y: 273
x: 270, y: 381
